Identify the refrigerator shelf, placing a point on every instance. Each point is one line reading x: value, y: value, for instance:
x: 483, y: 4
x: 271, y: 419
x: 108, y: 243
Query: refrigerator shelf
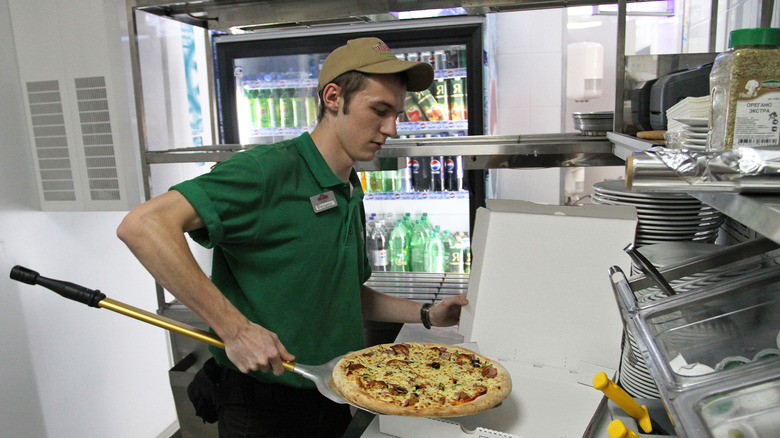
x: 385, y: 196
x: 423, y: 127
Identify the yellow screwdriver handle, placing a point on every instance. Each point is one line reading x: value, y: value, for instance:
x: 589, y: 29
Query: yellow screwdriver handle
x: 617, y: 429
x: 621, y: 398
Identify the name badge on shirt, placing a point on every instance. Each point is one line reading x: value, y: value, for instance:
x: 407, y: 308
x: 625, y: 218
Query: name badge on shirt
x: 323, y: 201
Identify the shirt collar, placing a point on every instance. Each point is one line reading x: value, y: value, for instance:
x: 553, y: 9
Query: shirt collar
x: 319, y: 168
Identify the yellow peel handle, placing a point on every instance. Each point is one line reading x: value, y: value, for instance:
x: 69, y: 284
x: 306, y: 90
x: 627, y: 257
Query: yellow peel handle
x: 617, y: 429
x: 622, y: 399
x: 288, y: 366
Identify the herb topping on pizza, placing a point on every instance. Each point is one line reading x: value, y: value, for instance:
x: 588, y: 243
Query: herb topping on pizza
x: 421, y: 379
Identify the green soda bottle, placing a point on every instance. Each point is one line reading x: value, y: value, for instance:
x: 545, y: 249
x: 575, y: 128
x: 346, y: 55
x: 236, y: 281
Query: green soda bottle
x: 398, y: 248
x: 434, y: 252
x: 417, y: 247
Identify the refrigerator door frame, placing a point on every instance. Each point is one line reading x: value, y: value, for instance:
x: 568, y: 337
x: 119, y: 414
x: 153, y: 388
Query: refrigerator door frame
x: 467, y: 30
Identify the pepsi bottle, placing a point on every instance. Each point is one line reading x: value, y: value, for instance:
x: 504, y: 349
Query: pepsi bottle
x: 437, y: 174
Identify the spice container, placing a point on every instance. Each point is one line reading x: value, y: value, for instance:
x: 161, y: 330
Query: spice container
x: 745, y: 91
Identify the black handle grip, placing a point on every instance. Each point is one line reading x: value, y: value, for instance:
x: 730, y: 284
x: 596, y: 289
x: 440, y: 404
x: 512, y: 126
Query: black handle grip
x: 63, y: 288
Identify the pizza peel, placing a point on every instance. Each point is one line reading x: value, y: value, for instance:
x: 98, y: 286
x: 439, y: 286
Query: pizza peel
x: 321, y: 375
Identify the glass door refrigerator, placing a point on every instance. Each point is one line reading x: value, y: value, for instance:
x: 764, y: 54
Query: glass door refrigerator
x: 267, y: 92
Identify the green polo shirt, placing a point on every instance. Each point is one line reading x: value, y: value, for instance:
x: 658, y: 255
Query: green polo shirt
x: 287, y: 257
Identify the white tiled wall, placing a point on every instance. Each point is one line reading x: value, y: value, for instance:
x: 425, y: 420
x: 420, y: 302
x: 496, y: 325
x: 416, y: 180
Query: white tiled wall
x: 529, y: 71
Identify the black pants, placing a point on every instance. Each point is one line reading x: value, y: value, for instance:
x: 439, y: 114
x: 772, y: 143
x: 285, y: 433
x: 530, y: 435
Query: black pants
x: 253, y: 409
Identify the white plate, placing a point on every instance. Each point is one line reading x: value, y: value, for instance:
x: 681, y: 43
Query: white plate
x: 694, y: 121
x: 697, y: 129
x: 694, y: 136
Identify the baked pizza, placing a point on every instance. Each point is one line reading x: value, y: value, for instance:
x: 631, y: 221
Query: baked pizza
x: 421, y: 379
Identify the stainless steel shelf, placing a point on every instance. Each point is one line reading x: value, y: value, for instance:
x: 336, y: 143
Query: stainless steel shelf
x: 760, y: 213
x: 479, y: 151
x: 502, y: 152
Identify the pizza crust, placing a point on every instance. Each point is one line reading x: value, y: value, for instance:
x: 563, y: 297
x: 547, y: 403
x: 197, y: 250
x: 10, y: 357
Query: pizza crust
x: 386, y: 379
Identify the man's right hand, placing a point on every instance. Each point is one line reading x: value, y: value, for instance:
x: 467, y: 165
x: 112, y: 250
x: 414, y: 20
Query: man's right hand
x: 254, y: 348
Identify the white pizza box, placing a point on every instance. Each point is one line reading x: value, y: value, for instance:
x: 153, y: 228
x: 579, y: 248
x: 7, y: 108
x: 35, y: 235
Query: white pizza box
x: 540, y: 302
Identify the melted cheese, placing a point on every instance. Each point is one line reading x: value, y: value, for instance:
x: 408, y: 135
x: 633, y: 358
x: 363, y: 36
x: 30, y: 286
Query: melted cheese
x: 423, y: 377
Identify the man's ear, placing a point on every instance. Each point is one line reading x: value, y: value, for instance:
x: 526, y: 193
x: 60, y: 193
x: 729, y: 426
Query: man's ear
x: 331, y: 97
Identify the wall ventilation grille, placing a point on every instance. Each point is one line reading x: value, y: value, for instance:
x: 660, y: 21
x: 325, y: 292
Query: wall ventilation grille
x: 99, y: 155
x: 51, y: 141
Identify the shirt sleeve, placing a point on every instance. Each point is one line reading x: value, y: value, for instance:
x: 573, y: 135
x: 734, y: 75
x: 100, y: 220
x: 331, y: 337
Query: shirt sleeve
x: 228, y: 200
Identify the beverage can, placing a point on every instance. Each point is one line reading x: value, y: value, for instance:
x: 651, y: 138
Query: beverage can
x: 457, y: 99
x: 412, y: 110
x: 429, y: 105
x: 439, y: 60
x: 442, y: 95
x: 427, y: 56
x: 452, y: 58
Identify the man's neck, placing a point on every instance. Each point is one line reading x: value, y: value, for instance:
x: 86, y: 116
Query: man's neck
x: 338, y: 161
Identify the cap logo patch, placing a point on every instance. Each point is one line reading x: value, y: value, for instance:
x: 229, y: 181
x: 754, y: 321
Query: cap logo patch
x: 381, y: 47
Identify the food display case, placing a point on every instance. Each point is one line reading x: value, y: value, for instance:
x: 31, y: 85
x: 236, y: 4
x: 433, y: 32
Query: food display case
x: 712, y: 347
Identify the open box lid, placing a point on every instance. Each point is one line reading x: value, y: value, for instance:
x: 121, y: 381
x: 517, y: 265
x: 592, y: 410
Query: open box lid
x: 539, y: 290
x: 540, y: 302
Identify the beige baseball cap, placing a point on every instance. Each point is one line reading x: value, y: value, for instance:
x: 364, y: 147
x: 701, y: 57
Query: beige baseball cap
x: 371, y: 55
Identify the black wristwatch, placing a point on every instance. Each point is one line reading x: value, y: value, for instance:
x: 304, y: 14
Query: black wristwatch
x: 425, y: 315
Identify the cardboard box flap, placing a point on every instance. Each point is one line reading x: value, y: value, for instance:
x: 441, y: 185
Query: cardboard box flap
x: 539, y: 291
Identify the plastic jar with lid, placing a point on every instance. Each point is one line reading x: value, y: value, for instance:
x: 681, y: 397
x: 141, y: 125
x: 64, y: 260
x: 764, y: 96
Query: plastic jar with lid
x: 745, y: 91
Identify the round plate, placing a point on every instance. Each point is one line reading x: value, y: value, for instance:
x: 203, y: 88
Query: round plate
x: 699, y: 122
x: 618, y: 188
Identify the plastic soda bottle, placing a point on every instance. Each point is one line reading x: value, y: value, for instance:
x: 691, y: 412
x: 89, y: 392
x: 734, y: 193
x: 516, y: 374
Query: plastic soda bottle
x: 377, y: 248
x: 390, y: 181
x: 375, y: 181
x: 437, y: 174
x: 434, y: 252
x: 417, y: 247
x: 405, y: 177
x: 448, y: 241
x: 286, y: 110
x: 263, y: 111
x: 310, y: 106
x: 425, y: 222
x: 299, y: 108
x: 251, y: 97
x: 456, y: 255
x: 466, y: 247
x: 398, y: 248
x: 272, y: 102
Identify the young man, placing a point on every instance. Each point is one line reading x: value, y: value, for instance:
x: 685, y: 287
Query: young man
x: 286, y: 224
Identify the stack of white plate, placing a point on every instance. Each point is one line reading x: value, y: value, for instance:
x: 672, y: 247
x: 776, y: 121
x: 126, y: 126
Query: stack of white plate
x: 663, y: 217
x: 694, y: 133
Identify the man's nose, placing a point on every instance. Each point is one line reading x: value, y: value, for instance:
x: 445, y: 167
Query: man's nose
x: 389, y: 127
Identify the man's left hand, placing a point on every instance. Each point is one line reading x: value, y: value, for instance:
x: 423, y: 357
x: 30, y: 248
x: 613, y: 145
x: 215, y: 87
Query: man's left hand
x: 447, y: 312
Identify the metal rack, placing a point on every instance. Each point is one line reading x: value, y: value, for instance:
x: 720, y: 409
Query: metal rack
x: 760, y: 213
